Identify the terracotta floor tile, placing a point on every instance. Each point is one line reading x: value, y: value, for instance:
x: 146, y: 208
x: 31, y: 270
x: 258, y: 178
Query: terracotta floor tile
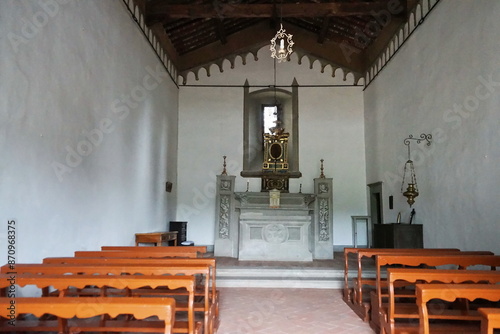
x: 297, y: 311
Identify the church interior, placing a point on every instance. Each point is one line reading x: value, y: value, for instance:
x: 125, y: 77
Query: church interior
x: 281, y: 133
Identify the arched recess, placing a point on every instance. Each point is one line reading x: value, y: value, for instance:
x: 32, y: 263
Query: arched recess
x: 253, y: 155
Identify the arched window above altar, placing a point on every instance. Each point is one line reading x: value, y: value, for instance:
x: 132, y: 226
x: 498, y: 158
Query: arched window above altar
x: 270, y: 117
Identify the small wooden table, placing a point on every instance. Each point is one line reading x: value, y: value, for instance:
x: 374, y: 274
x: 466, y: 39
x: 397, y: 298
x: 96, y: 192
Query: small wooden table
x: 156, y: 237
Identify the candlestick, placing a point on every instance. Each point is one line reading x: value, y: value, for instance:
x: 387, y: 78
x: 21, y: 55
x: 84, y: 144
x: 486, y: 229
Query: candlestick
x: 300, y: 188
x: 224, y: 172
x: 248, y: 183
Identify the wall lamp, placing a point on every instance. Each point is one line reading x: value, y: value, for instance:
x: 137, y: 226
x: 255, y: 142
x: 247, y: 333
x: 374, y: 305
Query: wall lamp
x: 409, y: 177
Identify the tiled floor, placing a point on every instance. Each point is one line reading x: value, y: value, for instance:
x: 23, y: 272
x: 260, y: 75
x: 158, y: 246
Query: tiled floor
x: 287, y: 311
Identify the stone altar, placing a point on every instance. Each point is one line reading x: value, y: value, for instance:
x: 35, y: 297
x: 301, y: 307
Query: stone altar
x: 248, y: 228
x: 274, y: 233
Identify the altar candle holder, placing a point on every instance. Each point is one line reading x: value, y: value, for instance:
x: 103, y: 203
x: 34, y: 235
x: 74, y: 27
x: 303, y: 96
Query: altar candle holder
x: 224, y: 172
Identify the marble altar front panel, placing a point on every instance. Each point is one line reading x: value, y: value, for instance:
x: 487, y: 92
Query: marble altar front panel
x: 275, y: 235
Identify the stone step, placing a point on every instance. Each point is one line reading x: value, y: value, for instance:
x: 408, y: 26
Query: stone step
x: 281, y: 278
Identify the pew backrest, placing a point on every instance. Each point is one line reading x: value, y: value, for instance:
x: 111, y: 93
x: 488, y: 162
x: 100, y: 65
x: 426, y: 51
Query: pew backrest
x: 461, y: 260
x: 412, y: 275
x: 62, y: 283
x: 211, y: 262
x: 131, y: 269
x: 166, y: 249
x: 136, y: 254
x: 451, y: 292
x: 369, y: 253
x: 87, y: 307
x: 490, y: 319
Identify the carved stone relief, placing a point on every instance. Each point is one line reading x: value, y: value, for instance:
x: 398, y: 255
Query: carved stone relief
x: 224, y: 216
x: 323, y: 188
x: 275, y: 233
x: 225, y: 185
x: 324, y: 215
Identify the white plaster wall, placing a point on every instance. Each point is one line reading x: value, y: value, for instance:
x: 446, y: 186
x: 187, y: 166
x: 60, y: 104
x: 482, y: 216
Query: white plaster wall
x: 444, y: 81
x: 211, y: 126
x: 79, y: 76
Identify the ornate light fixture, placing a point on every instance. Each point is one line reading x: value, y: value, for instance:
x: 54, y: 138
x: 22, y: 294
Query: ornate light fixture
x: 283, y: 41
x: 412, y: 189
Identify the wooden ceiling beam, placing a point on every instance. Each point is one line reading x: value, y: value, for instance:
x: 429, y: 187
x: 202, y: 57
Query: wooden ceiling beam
x: 259, y: 36
x: 165, y: 43
x: 324, y: 30
x: 221, y: 32
x: 389, y: 31
x: 159, y: 10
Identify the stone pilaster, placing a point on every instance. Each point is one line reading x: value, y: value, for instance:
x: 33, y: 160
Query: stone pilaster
x: 226, y: 226
x: 323, y: 220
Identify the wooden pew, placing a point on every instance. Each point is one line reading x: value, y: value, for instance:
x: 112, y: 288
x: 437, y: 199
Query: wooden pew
x: 148, y: 252
x: 128, y: 286
x: 199, y: 250
x: 211, y: 262
x: 353, y: 288
x: 462, y: 260
x: 449, y: 293
x: 88, y: 307
x: 392, y: 314
x: 490, y: 319
x: 210, y: 301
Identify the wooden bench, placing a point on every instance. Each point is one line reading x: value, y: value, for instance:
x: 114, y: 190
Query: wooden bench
x: 106, y: 285
x: 209, y: 305
x: 199, y: 250
x: 87, y: 307
x: 353, y: 288
x: 490, y: 319
x: 211, y: 262
x: 449, y: 293
x: 392, y: 313
x: 148, y: 252
x: 462, y: 260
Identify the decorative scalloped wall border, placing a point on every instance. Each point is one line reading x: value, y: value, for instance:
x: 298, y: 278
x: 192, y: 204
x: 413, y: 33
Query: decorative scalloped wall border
x: 415, y: 19
x: 243, y: 55
x: 151, y: 37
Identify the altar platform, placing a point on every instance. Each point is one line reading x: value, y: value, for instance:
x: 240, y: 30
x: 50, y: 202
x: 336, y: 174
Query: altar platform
x: 316, y: 274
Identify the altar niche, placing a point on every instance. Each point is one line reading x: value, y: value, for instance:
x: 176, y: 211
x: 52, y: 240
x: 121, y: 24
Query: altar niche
x: 248, y: 227
x: 270, y: 137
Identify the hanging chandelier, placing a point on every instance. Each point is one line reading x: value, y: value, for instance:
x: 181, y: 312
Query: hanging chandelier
x: 412, y: 191
x: 409, y: 177
x: 284, y: 44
